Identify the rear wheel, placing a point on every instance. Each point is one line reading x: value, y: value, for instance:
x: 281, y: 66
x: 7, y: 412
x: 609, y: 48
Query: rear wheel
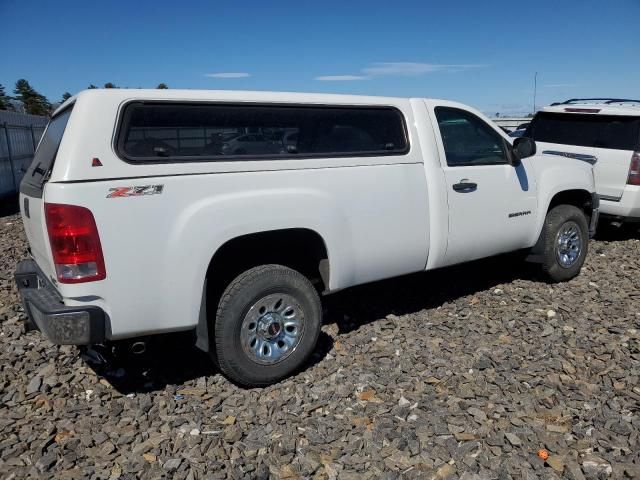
x: 566, y: 240
x: 267, y: 325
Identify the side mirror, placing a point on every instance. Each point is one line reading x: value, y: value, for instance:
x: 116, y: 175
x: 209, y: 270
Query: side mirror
x: 523, y: 147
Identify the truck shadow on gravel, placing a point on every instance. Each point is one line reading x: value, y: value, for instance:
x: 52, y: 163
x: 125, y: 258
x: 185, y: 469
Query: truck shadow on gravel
x: 9, y: 206
x: 169, y: 359
x: 608, y: 232
x: 172, y: 359
x: 355, y: 307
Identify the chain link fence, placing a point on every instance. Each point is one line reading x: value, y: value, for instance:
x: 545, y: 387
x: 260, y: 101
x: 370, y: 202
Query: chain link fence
x: 19, y: 136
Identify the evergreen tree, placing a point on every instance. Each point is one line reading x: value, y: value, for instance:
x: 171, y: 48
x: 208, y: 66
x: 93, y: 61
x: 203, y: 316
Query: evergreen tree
x: 34, y: 103
x: 162, y: 86
x: 91, y: 86
x: 66, y: 96
x: 110, y: 85
x: 4, y: 100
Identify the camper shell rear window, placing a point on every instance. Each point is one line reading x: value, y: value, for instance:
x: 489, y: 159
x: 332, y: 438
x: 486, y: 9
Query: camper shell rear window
x: 176, y: 131
x: 45, y: 155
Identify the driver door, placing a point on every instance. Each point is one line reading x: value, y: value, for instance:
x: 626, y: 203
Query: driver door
x: 492, y: 204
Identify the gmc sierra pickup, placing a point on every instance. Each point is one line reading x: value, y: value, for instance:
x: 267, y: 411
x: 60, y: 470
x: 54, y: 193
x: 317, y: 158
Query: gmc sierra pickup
x: 231, y: 213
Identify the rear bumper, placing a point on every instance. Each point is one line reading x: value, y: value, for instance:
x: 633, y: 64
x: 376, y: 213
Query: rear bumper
x: 627, y: 207
x: 46, y: 311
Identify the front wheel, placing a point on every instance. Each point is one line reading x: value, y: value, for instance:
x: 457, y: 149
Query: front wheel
x: 267, y: 325
x: 566, y: 241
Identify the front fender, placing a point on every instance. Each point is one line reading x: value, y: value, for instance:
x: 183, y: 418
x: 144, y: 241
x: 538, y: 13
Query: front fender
x: 556, y: 175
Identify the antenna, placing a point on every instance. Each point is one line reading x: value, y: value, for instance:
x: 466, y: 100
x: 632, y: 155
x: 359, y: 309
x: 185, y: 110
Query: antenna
x: 535, y: 91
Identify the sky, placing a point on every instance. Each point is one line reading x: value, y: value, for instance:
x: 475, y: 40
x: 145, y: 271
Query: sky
x: 483, y: 53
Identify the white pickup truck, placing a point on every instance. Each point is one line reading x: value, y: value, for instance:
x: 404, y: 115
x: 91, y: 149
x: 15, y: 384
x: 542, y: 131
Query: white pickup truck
x: 230, y: 213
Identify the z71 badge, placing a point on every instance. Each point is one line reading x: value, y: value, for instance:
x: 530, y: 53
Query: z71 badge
x: 137, y: 191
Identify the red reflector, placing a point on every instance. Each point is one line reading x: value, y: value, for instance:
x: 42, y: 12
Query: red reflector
x: 582, y: 110
x: 634, y: 170
x: 95, y: 162
x: 75, y: 243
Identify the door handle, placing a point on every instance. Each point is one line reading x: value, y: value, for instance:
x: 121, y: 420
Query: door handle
x: 465, y: 186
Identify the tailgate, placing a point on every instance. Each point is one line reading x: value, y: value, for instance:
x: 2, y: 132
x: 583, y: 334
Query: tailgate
x: 32, y: 191
x: 32, y: 209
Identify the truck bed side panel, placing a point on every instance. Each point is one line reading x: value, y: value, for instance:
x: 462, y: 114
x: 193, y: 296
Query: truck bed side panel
x: 157, y: 248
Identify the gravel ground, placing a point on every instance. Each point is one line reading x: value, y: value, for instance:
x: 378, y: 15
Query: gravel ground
x: 462, y: 373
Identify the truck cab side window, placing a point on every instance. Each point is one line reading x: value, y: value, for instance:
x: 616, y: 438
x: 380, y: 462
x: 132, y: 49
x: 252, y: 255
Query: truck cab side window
x: 468, y: 140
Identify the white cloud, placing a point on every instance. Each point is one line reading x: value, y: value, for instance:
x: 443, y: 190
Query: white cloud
x: 228, y: 75
x: 414, y: 69
x: 341, y: 78
x: 561, y: 85
x: 402, y: 69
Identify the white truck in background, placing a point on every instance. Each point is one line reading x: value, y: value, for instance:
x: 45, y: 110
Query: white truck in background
x: 145, y: 213
x: 605, y: 131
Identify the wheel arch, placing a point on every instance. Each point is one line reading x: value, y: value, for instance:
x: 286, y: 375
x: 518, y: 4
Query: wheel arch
x: 302, y: 249
x: 578, y: 197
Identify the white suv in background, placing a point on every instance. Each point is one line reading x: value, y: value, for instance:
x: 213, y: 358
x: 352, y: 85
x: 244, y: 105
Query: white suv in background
x: 605, y: 131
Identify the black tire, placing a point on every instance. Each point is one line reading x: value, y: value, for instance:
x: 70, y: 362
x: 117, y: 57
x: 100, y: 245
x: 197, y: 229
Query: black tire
x: 247, y: 290
x: 559, y: 219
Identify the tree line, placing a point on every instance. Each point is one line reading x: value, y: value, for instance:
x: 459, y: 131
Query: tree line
x: 28, y: 99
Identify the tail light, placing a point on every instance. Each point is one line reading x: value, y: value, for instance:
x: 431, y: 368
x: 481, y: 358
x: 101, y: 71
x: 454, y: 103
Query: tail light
x: 75, y: 243
x: 634, y: 170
